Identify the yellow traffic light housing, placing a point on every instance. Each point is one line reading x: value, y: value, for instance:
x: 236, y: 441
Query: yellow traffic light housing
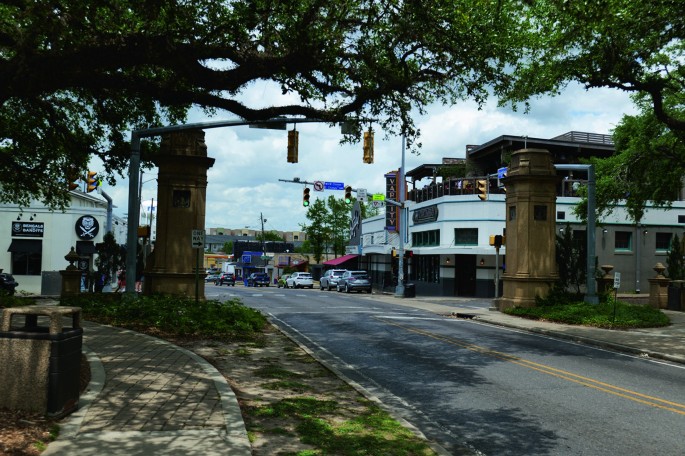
x: 348, y: 194
x: 293, y: 140
x: 305, y: 197
x: 368, y: 146
x: 92, y: 181
x: 482, y: 189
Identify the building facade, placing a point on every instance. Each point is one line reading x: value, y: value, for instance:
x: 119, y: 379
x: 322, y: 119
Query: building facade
x: 451, y: 221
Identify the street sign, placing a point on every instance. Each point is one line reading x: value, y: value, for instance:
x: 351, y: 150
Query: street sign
x: 318, y: 186
x: 617, y: 280
x: 333, y: 185
x: 361, y: 195
x: 378, y: 197
x: 376, y: 203
x: 198, y: 239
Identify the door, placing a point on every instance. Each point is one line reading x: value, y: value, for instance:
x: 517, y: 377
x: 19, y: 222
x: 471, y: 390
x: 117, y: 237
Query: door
x: 465, y: 275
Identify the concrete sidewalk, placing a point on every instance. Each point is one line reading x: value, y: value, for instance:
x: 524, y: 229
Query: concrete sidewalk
x: 148, y: 396
x: 667, y: 343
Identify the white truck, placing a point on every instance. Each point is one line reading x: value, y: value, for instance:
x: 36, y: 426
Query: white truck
x: 228, y: 268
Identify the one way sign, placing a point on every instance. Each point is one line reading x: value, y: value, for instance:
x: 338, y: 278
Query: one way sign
x: 198, y: 239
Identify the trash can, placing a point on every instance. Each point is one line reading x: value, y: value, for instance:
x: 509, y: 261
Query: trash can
x: 410, y: 290
x: 675, y: 290
x: 45, y: 360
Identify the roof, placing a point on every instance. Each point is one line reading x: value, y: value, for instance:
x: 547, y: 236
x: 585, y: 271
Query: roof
x: 340, y: 260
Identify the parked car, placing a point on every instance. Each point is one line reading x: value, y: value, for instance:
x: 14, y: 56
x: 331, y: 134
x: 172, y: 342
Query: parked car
x: 211, y: 278
x: 225, y: 278
x: 258, y: 279
x: 329, y: 279
x: 7, y: 283
x: 281, y: 281
x: 354, y: 281
x: 300, y: 280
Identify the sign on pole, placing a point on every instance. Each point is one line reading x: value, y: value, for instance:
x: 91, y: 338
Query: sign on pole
x: 198, y: 239
x: 333, y: 185
x: 318, y: 186
x: 617, y: 280
x: 361, y: 195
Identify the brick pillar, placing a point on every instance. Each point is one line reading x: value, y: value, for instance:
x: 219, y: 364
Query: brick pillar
x: 181, y: 201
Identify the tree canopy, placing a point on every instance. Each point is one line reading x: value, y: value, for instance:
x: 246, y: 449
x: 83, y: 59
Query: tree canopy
x: 76, y: 76
x: 623, y: 44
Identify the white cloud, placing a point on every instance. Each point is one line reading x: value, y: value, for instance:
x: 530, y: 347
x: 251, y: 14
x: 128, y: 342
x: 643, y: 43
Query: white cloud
x: 244, y: 181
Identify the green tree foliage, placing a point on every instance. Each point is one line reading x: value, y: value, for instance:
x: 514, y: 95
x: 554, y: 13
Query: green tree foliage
x: 318, y: 231
x: 571, y: 255
x: 76, y: 76
x: 633, y: 46
x: 110, y: 258
x: 228, y: 248
x: 647, y: 168
x: 675, y: 261
x: 338, y: 224
x: 269, y: 236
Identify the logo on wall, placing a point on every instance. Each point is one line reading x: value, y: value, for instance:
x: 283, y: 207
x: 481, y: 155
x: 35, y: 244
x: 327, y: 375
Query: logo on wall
x: 87, y: 227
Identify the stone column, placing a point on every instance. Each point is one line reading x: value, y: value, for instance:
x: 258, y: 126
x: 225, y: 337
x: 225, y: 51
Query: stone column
x: 181, y: 201
x: 530, y: 223
x: 606, y: 282
x: 71, y: 276
x: 658, y: 288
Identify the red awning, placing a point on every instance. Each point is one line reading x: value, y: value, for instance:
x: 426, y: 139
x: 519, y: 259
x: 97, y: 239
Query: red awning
x: 339, y: 260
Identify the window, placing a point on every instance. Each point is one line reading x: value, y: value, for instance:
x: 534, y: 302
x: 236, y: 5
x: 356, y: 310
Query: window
x: 540, y: 213
x: 512, y: 213
x: 561, y: 215
x: 425, y: 268
x: 466, y: 236
x: 663, y: 242
x: 27, y: 256
x: 426, y: 238
x: 623, y: 241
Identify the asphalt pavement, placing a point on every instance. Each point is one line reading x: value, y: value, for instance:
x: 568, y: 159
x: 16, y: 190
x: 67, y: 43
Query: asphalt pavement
x: 148, y: 396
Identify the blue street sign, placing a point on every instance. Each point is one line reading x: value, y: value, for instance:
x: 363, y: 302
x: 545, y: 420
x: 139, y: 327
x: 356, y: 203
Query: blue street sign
x: 333, y: 185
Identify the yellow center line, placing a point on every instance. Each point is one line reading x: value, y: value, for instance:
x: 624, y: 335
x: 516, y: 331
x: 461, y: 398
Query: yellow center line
x: 634, y: 396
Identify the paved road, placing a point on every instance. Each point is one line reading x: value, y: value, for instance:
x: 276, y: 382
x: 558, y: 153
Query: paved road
x: 476, y: 388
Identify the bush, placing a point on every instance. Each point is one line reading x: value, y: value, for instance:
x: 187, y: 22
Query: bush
x: 179, y: 316
x: 598, y: 315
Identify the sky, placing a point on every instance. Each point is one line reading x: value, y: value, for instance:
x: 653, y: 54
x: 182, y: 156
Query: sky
x: 243, y: 184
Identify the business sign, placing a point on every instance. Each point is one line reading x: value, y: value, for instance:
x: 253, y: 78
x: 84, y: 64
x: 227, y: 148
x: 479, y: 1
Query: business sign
x: 391, y: 212
x: 28, y: 229
x: 87, y: 227
x: 425, y: 214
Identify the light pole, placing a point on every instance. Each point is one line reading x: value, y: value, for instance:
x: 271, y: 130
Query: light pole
x: 399, y: 289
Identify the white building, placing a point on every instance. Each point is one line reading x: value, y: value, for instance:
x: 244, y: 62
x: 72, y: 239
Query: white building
x: 37, y: 240
x: 448, y: 251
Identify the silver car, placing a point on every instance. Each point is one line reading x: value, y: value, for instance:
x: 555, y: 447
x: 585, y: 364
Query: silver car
x: 354, y: 281
x: 329, y: 279
x: 299, y: 280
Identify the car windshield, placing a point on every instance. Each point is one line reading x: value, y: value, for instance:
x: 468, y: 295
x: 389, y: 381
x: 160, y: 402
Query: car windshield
x: 359, y: 275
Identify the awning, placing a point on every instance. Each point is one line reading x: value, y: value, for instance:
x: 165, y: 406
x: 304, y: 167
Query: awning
x: 339, y: 260
x: 26, y: 246
x: 85, y: 247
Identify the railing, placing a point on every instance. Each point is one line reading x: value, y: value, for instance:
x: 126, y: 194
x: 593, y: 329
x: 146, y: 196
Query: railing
x: 468, y: 186
x: 581, y: 136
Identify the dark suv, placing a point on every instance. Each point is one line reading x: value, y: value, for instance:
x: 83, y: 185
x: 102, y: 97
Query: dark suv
x: 225, y: 278
x: 258, y: 279
x: 7, y: 283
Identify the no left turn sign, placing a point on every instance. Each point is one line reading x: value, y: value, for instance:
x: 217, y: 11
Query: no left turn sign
x: 318, y: 186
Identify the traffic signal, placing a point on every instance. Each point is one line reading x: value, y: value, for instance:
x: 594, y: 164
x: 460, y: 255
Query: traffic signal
x: 293, y: 139
x: 348, y: 194
x: 305, y: 197
x: 72, y: 177
x: 482, y: 188
x: 368, y: 146
x: 92, y: 182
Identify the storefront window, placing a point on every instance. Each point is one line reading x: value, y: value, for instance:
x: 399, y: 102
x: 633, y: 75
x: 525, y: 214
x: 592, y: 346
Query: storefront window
x: 24, y: 263
x: 425, y: 268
